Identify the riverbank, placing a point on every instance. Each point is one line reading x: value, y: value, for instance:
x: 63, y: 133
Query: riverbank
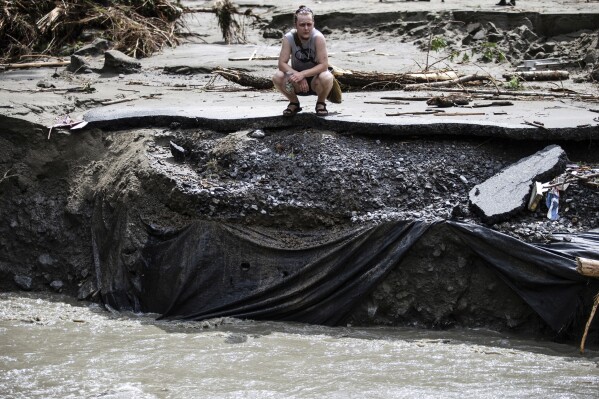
x: 84, y: 206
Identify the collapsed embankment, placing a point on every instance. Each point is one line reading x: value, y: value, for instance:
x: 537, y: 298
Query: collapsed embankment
x: 84, y: 212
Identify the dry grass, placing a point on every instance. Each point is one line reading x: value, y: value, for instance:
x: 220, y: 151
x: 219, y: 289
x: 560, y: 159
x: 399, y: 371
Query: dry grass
x: 136, y: 27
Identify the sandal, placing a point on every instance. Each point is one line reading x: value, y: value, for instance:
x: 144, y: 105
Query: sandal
x: 322, y: 111
x: 289, y: 111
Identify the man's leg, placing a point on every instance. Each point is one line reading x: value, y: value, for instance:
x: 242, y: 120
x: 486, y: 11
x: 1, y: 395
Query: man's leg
x: 322, y: 85
x: 279, y: 81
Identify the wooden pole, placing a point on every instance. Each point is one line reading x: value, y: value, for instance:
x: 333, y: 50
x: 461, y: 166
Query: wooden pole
x: 586, y: 329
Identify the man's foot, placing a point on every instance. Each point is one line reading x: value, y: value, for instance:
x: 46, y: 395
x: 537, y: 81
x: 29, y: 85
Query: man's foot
x: 502, y: 3
x: 292, y: 109
x: 321, y: 109
x: 513, y: 3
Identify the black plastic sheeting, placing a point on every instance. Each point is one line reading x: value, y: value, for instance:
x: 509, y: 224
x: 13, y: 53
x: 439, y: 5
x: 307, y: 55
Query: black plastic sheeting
x: 211, y: 269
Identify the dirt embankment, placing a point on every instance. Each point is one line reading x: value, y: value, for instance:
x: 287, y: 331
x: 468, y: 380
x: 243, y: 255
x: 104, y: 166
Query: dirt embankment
x: 294, y: 180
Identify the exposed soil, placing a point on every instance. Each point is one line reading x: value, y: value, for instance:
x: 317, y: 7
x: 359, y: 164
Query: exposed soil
x: 289, y: 179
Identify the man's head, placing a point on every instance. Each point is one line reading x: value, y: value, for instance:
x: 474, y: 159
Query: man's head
x: 304, y: 22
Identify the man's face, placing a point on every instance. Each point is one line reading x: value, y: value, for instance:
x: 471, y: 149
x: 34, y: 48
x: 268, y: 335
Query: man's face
x: 304, y: 26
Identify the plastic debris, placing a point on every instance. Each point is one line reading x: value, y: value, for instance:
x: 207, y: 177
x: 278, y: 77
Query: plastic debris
x: 66, y: 122
x: 552, y: 203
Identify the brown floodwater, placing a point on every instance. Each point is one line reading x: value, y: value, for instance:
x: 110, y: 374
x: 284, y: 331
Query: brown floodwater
x: 54, y: 347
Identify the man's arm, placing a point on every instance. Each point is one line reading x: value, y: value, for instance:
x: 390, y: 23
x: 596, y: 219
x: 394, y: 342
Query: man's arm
x: 284, y: 56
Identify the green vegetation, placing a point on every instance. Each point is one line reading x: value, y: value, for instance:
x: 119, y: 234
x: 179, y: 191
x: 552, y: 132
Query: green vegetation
x: 514, y: 83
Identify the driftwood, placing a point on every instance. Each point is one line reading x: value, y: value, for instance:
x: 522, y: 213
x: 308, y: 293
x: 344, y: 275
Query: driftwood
x: 538, y: 75
x: 406, y: 98
x: 244, y: 79
x: 363, y: 80
x: 587, y: 267
x: 416, y: 113
x: 7, y: 176
x: 256, y: 58
x: 493, y: 104
x: 520, y: 93
x: 49, y: 64
x: 453, y: 82
x: 458, y: 113
x: 586, y: 329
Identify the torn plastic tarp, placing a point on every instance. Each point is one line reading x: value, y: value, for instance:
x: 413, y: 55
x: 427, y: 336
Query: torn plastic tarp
x: 211, y: 269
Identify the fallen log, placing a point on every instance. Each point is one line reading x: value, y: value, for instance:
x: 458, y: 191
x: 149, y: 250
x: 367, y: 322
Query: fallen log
x: 244, y: 79
x: 519, y: 93
x: 431, y: 76
x: 256, y: 58
x: 417, y: 113
x: 587, y: 267
x: 459, y: 113
x: 493, y: 104
x: 537, y: 75
x: 453, y: 82
x: 386, y: 80
x: 49, y: 64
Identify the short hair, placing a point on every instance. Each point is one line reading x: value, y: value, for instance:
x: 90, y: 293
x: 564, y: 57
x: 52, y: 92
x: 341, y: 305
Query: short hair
x: 302, y: 10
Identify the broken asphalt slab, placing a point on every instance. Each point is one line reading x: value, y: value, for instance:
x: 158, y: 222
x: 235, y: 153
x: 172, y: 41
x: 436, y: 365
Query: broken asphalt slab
x: 567, y: 120
x: 506, y: 193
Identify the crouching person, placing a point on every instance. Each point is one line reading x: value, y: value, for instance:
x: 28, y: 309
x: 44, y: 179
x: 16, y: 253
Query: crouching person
x: 308, y: 73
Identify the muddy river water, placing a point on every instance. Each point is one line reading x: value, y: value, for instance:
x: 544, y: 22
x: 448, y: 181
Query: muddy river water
x: 53, y: 347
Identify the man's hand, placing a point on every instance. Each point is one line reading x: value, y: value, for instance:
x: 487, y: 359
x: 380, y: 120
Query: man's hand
x: 303, y: 86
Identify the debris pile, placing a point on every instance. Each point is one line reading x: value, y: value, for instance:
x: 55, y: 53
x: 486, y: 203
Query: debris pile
x: 33, y: 27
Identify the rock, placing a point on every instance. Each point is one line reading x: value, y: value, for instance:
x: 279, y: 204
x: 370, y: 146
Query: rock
x: 494, y: 37
x: 467, y: 40
x: 472, y: 28
x: 480, y: 35
x: 236, y: 339
x: 506, y: 193
x: 491, y: 28
x: 44, y: 84
x: 57, y: 285
x: 117, y: 62
x: 526, y: 34
x: 257, y: 134
x: 549, y: 47
x: 86, y: 290
x: 45, y: 260
x: 534, y: 49
x: 271, y: 33
x: 78, y: 65
x: 591, y: 57
x: 24, y: 282
x: 97, y: 47
x: 178, y: 152
x: 326, y: 30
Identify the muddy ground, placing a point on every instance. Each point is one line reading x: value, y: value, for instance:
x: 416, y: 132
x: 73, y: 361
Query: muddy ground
x: 289, y: 178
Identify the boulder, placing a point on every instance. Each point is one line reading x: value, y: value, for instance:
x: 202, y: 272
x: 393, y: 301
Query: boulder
x: 97, y: 47
x: 117, y: 62
x: 78, y: 65
x: 24, y: 282
x: 57, y: 285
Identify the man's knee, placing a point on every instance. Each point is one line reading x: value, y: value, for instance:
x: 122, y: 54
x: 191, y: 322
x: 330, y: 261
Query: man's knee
x: 324, y: 79
x: 278, y: 77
